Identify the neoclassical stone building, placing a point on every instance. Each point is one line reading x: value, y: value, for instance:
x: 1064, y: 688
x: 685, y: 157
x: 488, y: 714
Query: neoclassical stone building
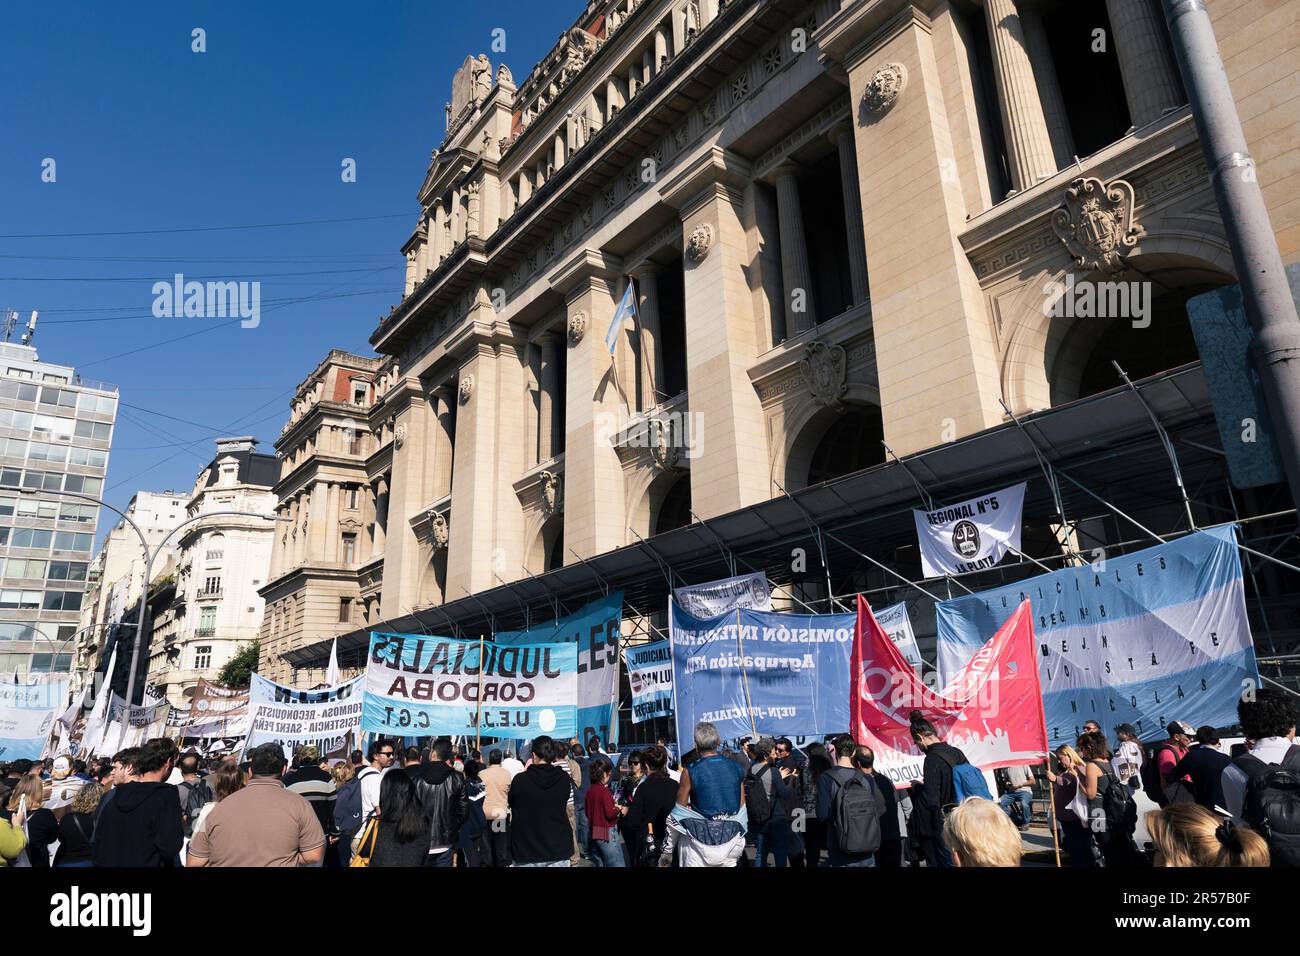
x: 845, y: 223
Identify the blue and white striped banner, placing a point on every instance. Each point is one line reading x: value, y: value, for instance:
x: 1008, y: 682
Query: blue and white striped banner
x: 650, y: 675
x: 1146, y: 638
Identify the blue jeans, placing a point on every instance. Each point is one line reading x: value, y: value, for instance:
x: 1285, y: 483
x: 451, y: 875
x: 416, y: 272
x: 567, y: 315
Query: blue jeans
x: 1026, y: 800
x: 607, y: 852
x: 582, y: 826
x: 555, y: 863
x: 869, y: 861
x: 774, y: 838
x: 442, y: 859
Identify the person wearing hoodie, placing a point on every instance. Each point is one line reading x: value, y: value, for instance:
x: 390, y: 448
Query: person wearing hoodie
x: 935, y: 791
x: 540, y: 832
x: 141, y: 825
x: 446, y: 804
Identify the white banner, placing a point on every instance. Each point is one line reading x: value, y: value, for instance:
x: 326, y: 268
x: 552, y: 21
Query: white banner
x: 748, y: 591
x: 970, y: 535
x: 896, y: 623
x: 27, y: 715
x: 291, y: 717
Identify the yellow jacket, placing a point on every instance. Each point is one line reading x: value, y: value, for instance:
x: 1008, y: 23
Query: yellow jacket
x: 12, y: 841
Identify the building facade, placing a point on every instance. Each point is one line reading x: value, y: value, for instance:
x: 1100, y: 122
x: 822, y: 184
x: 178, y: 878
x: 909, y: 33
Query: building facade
x: 222, y: 565
x: 116, y: 576
x: 56, y: 431
x: 330, y: 500
x: 849, y: 227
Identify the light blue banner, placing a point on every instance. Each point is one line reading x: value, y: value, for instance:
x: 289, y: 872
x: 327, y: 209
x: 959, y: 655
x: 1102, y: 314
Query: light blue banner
x: 422, y: 686
x: 761, y: 672
x: 27, y: 714
x: 1144, y: 638
x: 594, y: 629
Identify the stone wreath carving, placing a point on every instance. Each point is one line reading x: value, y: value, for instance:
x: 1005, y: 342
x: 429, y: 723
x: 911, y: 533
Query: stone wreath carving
x: 552, y: 501
x: 1096, y: 223
x: 823, y: 371
x: 439, y: 530
x: 577, y: 327
x: 885, y: 87
x: 466, y: 389
x: 699, y: 242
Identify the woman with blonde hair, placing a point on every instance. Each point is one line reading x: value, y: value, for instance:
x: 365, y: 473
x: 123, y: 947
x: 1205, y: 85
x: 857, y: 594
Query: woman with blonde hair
x: 979, y: 833
x: 1065, y: 783
x: 26, y: 810
x: 77, y: 827
x: 1187, y: 834
x: 341, y: 773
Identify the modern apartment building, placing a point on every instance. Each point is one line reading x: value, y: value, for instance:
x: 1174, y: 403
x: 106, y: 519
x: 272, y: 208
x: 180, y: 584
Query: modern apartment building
x: 55, y: 433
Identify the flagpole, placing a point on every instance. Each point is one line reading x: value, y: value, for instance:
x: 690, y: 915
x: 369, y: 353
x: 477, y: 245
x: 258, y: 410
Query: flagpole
x: 744, y: 676
x: 478, y: 719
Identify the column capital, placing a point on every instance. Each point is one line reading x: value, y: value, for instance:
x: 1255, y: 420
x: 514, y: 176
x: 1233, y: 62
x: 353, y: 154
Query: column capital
x: 585, y: 268
x: 861, y: 27
x: 714, y: 167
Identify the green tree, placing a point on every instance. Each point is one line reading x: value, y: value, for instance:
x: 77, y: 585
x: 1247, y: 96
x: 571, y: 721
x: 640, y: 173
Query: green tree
x: 235, y: 672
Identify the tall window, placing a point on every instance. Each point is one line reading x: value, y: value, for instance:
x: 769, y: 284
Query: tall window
x: 345, y: 610
x: 212, y: 586
x: 349, y: 548
x: 203, y: 657
x: 352, y: 498
x: 208, y: 620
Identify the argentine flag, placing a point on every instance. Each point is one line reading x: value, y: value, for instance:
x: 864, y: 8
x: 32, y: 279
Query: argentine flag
x: 626, y: 310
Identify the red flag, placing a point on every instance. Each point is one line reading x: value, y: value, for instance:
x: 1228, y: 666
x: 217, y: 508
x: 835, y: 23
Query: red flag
x: 992, y: 709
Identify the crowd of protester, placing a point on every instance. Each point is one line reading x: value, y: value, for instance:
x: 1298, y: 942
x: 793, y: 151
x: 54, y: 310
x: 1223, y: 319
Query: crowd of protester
x: 571, y: 804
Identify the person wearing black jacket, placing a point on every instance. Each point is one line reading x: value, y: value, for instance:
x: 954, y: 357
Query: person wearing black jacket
x: 935, y: 791
x: 540, y: 834
x: 446, y: 804
x: 141, y: 825
x: 646, y: 814
x: 774, y: 836
x: 1205, y: 763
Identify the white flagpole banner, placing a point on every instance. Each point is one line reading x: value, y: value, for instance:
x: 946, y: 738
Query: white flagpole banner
x: 650, y: 675
x: 897, y: 625
x: 146, y: 721
x: 748, y: 591
x: 970, y: 535
x: 332, y: 672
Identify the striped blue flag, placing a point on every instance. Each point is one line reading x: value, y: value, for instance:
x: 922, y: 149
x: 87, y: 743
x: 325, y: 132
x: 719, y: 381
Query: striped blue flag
x: 626, y: 311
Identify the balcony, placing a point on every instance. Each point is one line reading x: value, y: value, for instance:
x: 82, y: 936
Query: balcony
x: 205, y: 631
x: 209, y: 594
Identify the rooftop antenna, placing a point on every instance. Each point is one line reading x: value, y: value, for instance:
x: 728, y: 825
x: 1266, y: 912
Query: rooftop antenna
x: 30, y: 333
x: 11, y: 323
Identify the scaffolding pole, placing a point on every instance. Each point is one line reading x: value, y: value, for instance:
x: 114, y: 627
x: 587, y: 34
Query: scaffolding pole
x: 1164, y: 440
x: 816, y: 532
x: 1049, y: 473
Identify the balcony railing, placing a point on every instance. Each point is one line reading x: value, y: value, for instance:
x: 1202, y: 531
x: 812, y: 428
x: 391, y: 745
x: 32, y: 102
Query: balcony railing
x: 204, y: 631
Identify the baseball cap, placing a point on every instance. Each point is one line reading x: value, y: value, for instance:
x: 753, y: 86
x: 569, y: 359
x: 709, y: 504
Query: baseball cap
x: 1179, y: 727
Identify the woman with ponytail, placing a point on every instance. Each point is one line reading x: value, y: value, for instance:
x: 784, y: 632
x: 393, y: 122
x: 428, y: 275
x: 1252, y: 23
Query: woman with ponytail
x: 1187, y: 834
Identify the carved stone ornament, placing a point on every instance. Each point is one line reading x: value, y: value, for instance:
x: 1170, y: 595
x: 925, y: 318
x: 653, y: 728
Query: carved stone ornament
x: 439, y: 531
x: 823, y: 372
x: 577, y: 327
x: 1096, y: 223
x: 551, y: 492
x: 504, y: 75
x: 466, y: 389
x: 885, y: 87
x: 399, y: 435
x: 665, y: 449
x: 699, y: 242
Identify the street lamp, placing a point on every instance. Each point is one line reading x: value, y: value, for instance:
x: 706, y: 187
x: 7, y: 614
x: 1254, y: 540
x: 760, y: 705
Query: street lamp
x: 148, y: 571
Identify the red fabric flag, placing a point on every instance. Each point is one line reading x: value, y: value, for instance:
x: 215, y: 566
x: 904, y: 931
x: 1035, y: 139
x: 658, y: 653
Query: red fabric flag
x: 992, y: 710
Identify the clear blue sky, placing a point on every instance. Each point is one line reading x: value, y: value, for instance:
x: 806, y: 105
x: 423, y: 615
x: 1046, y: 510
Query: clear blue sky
x: 148, y: 135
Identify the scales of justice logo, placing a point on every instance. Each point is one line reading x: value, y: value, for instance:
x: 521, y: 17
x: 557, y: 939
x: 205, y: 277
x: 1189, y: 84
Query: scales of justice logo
x: 966, y: 539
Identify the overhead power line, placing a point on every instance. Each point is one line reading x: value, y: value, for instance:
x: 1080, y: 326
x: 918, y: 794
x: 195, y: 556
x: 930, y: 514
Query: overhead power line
x: 173, y: 231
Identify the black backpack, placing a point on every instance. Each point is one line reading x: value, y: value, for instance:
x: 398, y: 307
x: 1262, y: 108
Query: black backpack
x: 1119, y: 809
x: 1272, y: 804
x: 195, y: 795
x: 854, y: 822
x: 1152, y: 782
x: 347, y: 806
x: 757, y: 802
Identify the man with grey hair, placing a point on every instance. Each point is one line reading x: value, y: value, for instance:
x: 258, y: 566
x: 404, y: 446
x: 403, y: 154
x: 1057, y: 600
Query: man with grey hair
x: 707, y: 827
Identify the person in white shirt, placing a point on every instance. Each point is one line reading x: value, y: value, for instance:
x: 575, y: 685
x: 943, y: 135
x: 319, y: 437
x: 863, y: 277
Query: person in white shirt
x: 512, y: 764
x: 382, y: 754
x: 1268, y: 722
x: 1126, y: 761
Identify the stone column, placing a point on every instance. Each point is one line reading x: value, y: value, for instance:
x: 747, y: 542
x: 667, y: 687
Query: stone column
x: 660, y: 49
x: 1150, y: 79
x: 411, y: 258
x: 651, y: 371
x: 548, y: 398
x: 319, y: 521
x: 379, y: 505
x: 437, y: 230
x: 1049, y: 88
x: 1029, y: 146
x: 333, y: 530
x: 444, y: 440
x: 407, y: 495
x: 799, y: 307
x: 842, y: 135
